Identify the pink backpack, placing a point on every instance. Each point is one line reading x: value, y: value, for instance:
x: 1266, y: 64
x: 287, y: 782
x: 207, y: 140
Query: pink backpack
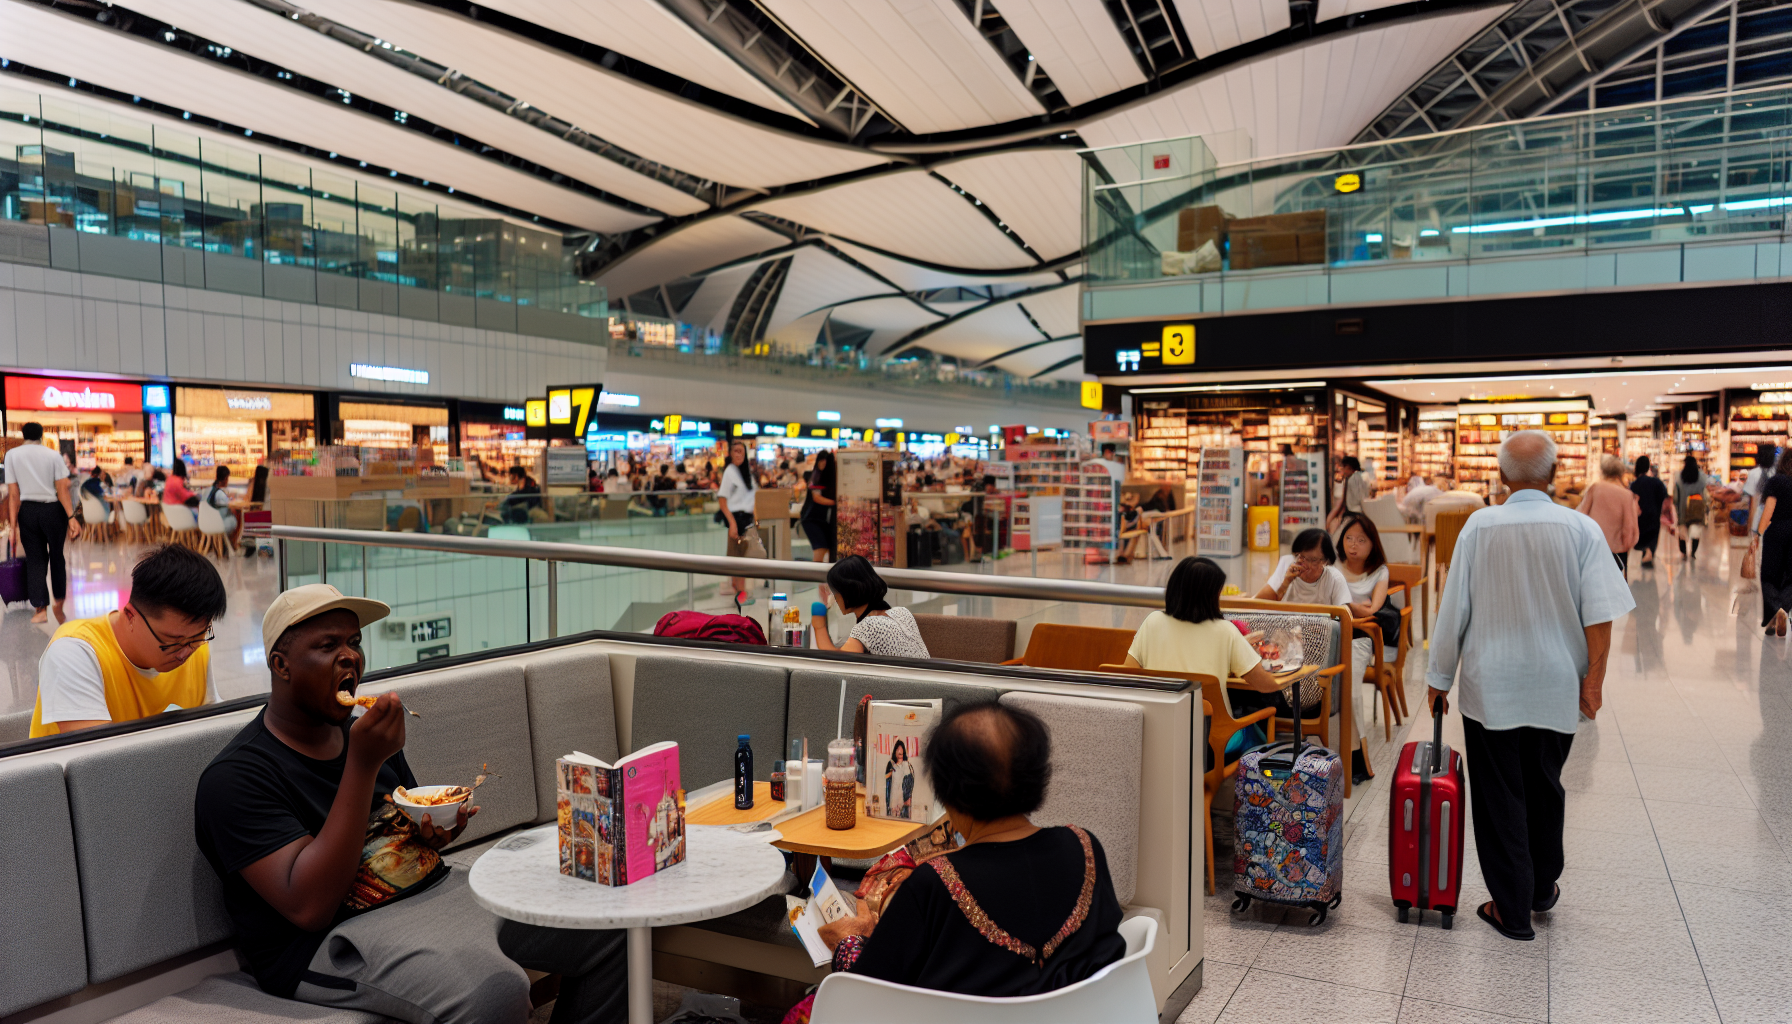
x: 734, y: 629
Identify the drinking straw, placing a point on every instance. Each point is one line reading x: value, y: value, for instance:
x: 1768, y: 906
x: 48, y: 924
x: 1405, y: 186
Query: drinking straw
x: 840, y: 720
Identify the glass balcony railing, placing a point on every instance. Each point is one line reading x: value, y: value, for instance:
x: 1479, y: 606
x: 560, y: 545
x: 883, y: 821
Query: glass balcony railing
x: 129, y: 198
x: 1708, y: 175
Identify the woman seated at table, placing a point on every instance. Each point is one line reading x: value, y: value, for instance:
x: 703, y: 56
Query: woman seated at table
x: 218, y: 497
x: 176, y: 491
x: 1018, y: 910
x: 1192, y: 635
x: 1310, y: 575
x: 882, y: 630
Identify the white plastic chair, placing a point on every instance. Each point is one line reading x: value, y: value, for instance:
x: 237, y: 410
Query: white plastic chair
x: 1119, y: 993
x: 96, y: 516
x: 136, y: 519
x: 214, y: 531
x: 183, y: 528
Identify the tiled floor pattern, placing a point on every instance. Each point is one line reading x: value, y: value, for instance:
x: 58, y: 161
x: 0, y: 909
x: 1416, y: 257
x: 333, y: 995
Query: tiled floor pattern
x: 1677, y: 898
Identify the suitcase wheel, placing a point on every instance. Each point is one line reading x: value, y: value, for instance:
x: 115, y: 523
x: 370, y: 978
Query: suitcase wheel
x: 1449, y: 919
x: 1403, y: 915
x: 1239, y: 904
x: 1318, y: 915
x: 1337, y: 899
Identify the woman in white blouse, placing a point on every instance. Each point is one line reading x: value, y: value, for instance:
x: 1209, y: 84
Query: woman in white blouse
x: 1365, y: 567
x: 882, y: 630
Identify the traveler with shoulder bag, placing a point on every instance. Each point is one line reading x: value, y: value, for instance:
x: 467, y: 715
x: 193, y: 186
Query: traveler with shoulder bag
x: 736, y: 513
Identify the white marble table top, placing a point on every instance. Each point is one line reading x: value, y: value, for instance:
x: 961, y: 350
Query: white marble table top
x: 723, y: 871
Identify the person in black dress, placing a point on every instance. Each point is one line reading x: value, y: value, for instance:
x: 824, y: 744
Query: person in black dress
x: 1018, y: 910
x: 817, y: 515
x: 1651, y: 494
x: 1775, y: 532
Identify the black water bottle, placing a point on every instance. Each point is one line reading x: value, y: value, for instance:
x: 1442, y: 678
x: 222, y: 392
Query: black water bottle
x: 743, y: 773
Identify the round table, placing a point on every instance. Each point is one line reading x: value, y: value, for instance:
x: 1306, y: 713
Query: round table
x: 723, y: 871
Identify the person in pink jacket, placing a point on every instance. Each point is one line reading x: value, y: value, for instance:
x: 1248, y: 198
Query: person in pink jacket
x: 1612, y: 505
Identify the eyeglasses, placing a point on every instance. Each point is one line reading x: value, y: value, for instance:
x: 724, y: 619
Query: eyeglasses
x: 168, y: 648
x: 1310, y: 563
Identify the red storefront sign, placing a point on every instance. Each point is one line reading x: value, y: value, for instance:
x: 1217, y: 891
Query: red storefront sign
x: 54, y: 395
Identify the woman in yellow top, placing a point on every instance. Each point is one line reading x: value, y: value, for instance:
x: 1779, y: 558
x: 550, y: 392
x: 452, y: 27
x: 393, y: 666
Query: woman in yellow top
x: 143, y: 659
x: 1192, y: 635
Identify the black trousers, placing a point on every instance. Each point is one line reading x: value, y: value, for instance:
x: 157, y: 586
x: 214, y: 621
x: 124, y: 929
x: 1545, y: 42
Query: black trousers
x: 593, y: 966
x: 1515, y: 776
x: 1776, y: 571
x: 43, y: 529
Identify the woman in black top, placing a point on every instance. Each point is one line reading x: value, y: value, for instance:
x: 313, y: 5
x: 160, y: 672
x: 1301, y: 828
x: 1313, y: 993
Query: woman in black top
x: 1651, y: 494
x: 1018, y: 910
x: 818, y: 507
x: 1776, y: 546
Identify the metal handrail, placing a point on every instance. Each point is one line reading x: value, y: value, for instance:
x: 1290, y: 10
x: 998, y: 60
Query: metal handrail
x: 927, y: 581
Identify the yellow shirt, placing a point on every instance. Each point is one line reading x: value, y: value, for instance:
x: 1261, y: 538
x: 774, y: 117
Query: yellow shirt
x: 130, y: 694
x: 1214, y: 647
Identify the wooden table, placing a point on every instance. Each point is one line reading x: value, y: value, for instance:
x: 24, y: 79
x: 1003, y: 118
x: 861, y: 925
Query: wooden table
x: 808, y: 833
x: 721, y: 811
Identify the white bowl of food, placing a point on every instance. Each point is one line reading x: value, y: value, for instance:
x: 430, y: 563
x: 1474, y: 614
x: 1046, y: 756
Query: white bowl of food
x: 440, y: 803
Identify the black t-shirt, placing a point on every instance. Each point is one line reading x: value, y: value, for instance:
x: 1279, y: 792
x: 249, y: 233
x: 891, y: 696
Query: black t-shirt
x: 257, y: 796
x: 1779, y: 487
x: 1650, y: 494
x: 1029, y: 888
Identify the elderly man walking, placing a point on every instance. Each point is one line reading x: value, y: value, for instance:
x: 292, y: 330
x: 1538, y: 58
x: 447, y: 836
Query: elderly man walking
x: 1524, y: 625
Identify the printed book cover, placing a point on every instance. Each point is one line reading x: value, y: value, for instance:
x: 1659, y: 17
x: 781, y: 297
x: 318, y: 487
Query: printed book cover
x: 824, y: 906
x: 620, y: 823
x: 896, y: 785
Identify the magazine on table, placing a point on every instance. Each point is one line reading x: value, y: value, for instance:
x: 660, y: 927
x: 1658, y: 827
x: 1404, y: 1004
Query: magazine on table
x: 620, y: 823
x: 896, y: 785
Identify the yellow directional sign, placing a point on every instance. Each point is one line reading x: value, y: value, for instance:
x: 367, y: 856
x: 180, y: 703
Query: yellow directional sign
x: 1347, y: 182
x: 1179, y: 344
x: 1091, y: 394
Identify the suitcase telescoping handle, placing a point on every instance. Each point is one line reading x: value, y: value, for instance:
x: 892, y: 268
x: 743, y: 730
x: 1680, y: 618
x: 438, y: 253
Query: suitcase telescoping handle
x: 1437, y: 736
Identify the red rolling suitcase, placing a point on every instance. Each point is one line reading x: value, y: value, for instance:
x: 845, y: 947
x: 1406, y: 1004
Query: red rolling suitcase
x: 1425, y: 826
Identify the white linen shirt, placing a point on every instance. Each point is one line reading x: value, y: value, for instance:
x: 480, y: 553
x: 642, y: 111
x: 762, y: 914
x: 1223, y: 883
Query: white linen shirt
x: 1526, y: 578
x: 35, y: 468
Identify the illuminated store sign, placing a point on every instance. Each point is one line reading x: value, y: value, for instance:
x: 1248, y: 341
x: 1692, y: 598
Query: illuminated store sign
x: 156, y: 397
x: 515, y: 413
x: 395, y: 374
x: 826, y: 416
x: 249, y: 403
x: 83, y: 395
x: 612, y: 398
x: 889, y: 423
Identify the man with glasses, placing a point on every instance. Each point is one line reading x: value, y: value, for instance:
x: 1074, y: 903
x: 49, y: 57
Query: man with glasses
x: 147, y: 657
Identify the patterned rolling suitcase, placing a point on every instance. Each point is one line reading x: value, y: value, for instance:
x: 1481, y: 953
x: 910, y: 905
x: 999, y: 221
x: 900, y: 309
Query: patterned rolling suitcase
x: 1425, y: 827
x: 1290, y: 823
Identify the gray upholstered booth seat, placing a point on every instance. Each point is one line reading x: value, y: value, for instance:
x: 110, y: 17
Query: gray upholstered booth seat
x: 15, y: 726
x: 234, y: 999
x: 703, y: 705
x: 42, y: 953
x: 572, y: 706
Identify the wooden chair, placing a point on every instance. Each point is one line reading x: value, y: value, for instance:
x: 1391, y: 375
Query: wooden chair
x: 1218, y: 711
x: 1076, y: 648
x: 1403, y: 579
x: 1376, y: 674
x: 1449, y: 527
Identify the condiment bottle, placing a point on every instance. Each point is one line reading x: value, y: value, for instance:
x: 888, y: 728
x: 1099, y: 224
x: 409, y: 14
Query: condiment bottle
x: 743, y: 773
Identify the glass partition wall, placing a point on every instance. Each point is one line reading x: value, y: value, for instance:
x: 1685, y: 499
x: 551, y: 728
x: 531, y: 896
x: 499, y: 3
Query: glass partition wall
x: 251, y: 222
x: 1693, y: 170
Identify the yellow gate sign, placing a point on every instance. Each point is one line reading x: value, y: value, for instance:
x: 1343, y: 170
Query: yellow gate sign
x: 1179, y: 344
x: 1348, y: 182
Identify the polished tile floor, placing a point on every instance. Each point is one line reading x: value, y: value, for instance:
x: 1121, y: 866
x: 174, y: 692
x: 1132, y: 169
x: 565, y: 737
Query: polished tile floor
x: 1677, y: 899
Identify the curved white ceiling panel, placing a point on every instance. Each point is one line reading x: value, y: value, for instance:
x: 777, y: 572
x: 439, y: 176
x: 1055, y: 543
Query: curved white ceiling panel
x: 651, y: 34
x: 1215, y: 25
x: 913, y: 278
x: 920, y: 60
x: 1038, y: 193
x: 1055, y: 310
x: 983, y: 334
x: 1329, y: 9
x: 710, y: 304
x: 818, y: 280
x: 1077, y: 43
x: 1300, y: 99
x: 292, y: 45
x: 910, y: 213
x: 1034, y: 360
x: 688, y: 250
x: 687, y: 136
x: 121, y: 62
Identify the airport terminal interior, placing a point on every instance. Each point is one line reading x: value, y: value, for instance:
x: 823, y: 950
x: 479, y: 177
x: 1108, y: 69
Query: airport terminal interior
x: 891, y: 509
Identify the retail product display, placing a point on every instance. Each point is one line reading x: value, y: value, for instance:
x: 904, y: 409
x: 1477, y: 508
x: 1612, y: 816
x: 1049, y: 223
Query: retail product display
x: 1481, y: 426
x: 620, y: 823
x: 1753, y: 424
x: 1303, y: 492
x: 1042, y: 467
x: 1220, y: 500
x: 896, y: 783
x: 1435, y: 447
x: 1092, y: 513
x: 1162, y: 448
x: 869, y: 512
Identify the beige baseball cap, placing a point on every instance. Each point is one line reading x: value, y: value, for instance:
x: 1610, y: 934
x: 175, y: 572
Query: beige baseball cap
x: 313, y: 599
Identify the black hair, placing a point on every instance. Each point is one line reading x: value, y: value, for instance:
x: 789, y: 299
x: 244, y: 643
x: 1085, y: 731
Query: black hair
x: 127, y: 460
x: 1689, y: 471
x: 258, y: 491
x: 32, y: 431
x: 1314, y: 537
x: 1351, y: 463
x: 823, y: 475
x: 1378, y: 555
x: 181, y: 580
x: 1642, y: 466
x: 1192, y: 592
x: 1764, y: 454
x: 179, y: 468
x: 966, y: 765
x: 221, y: 476
x: 1783, y: 465
x: 989, y: 480
x: 744, y: 467
x: 858, y: 583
